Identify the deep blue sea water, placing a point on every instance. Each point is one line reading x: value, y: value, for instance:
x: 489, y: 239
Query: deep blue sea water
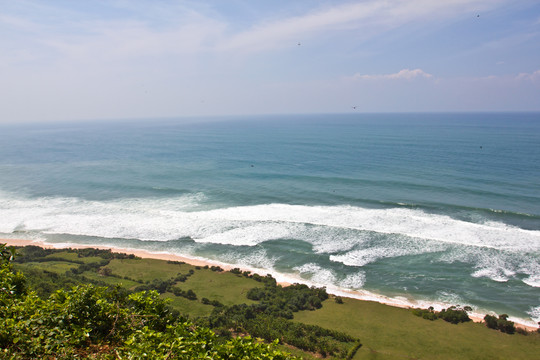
x: 414, y: 208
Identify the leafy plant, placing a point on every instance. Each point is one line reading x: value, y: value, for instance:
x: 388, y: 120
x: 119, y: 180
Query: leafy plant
x: 454, y: 314
x: 502, y: 323
x: 100, y: 323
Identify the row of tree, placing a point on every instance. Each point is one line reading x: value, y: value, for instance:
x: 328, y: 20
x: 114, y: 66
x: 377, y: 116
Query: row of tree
x: 454, y: 314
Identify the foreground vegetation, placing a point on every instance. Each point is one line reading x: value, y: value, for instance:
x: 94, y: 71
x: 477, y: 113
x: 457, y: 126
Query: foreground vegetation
x: 227, y: 306
x: 95, y: 322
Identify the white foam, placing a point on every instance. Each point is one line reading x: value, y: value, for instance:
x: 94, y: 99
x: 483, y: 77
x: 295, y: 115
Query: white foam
x: 375, y: 250
x: 533, y: 280
x: 353, y: 281
x: 446, y: 297
x: 410, y: 222
x: 249, y: 235
x: 534, y: 312
x: 490, y: 273
x: 164, y: 219
x: 316, y: 274
x: 257, y: 260
x: 498, y: 266
x: 351, y: 235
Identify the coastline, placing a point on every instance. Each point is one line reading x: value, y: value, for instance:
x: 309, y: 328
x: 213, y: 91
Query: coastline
x: 478, y: 318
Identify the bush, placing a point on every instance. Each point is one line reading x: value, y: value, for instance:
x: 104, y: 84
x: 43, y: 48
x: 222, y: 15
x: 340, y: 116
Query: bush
x: 502, y: 323
x: 491, y: 321
x: 236, y: 271
x: 505, y: 325
x: 427, y: 314
x: 453, y: 314
x: 99, y: 323
x: 190, y: 294
x: 181, y: 278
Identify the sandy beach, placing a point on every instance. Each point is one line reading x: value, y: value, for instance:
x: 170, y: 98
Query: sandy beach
x: 139, y: 253
x: 199, y: 262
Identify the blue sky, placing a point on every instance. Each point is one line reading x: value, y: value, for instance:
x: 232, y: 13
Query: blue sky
x: 71, y: 60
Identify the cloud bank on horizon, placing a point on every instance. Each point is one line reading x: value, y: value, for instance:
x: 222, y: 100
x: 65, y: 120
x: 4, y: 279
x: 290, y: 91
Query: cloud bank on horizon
x: 65, y: 60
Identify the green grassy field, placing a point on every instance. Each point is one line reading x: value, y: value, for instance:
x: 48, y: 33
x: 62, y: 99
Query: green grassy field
x: 59, y: 267
x: 74, y: 257
x: 147, y: 269
x: 224, y: 287
x: 394, y: 333
x: 385, y: 332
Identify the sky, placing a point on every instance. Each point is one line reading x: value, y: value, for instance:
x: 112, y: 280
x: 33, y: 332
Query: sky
x: 64, y: 60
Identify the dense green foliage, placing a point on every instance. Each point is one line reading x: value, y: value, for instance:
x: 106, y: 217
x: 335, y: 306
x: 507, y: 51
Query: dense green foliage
x: 284, y: 301
x: 45, y: 282
x: 453, y: 314
x: 269, y: 319
x: 502, y: 323
x: 102, y: 323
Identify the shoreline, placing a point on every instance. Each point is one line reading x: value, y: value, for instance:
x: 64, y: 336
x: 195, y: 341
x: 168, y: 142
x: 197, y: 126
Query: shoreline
x: 478, y: 318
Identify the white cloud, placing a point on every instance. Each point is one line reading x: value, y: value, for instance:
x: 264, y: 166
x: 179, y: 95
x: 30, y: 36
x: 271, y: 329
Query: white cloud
x: 165, y: 29
x: 534, y: 76
x: 369, y: 17
x: 404, y: 74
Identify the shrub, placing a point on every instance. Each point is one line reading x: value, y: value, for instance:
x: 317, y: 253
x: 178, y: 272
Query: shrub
x: 453, y: 314
x: 491, y: 321
x: 505, y: 325
x: 502, y: 323
x: 236, y: 271
x: 427, y: 314
x: 181, y: 278
x: 99, y: 323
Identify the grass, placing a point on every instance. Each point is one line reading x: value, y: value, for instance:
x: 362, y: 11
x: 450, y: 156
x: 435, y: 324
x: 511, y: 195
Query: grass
x: 73, y: 257
x: 192, y: 308
x: 59, y: 267
x: 392, y: 333
x: 128, y: 284
x: 227, y: 288
x: 147, y: 269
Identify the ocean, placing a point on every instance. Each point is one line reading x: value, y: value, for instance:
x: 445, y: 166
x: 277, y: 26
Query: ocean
x: 412, y: 209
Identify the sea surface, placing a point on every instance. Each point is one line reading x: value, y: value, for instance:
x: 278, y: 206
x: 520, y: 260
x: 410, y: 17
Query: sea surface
x: 418, y: 209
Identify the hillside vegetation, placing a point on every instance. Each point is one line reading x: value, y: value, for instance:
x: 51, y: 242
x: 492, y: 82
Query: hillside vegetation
x: 96, y: 322
x: 227, y: 309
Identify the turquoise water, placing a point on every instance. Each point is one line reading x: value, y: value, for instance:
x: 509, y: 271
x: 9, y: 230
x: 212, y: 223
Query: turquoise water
x: 415, y: 208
